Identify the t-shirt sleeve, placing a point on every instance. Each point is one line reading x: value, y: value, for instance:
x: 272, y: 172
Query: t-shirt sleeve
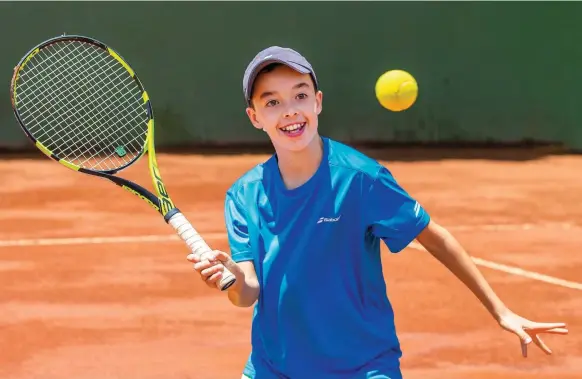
x: 392, y: 214
x: 237, y: 229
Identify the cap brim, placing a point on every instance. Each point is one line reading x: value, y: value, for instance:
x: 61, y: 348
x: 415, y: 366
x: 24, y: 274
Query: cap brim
x: 295, y: 66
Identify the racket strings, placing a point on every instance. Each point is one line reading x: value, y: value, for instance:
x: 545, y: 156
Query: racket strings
x: 84, y: 120
x: 46, y: 135
x: 52, y: 93
x: 98, y: 98
x: 50, y: 90
x: 118, y: 74
x: 82, y: 104
x: 110, y: 151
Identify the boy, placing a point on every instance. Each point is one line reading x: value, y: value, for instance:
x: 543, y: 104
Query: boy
x: 304, y: 229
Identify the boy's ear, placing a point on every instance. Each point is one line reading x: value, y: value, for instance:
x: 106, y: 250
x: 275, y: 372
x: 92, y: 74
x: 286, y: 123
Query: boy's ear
x: 252, y: 114
x: 318, y: 102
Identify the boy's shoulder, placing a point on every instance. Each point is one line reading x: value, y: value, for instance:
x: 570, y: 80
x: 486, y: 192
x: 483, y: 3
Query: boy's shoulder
x: 346, y: 157
x: 253, y: 175
x: 340, y: 156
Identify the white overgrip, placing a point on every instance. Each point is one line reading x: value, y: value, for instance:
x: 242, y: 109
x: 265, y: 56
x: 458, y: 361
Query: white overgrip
x: 197, y: 245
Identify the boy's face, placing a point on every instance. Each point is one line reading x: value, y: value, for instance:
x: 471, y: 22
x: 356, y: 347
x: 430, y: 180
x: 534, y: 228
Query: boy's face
x: 286, y: 106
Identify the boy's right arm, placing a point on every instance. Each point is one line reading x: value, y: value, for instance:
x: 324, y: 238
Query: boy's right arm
x: 244, y: 292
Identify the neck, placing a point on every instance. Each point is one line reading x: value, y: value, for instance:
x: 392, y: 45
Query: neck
x: 297, y: 167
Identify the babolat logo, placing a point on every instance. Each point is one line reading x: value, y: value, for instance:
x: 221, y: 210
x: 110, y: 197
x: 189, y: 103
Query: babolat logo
x: 326, y: 219
x: 165, y: 201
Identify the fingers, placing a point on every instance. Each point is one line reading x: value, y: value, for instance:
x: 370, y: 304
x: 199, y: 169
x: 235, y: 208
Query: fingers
x: 208, y: 266
x: 525, y: 340
x: 222, y: 257
x: 550, y: 328
x: 544, y: 325
x: 561, y: 331
x: 203, y: 265
x: 213, y: 279
x: 523, y: 349
x: 215, y: 255
x: 194, y: 258
x: 207, y: 273
x: 523, y: 336
x: 538, y: 341
x: 528, y: 331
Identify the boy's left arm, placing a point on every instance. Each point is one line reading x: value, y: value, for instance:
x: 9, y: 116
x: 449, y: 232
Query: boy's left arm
x: 446, y: 249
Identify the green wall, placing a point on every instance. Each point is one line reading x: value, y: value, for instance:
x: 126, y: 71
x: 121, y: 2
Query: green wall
x: 486, y: 70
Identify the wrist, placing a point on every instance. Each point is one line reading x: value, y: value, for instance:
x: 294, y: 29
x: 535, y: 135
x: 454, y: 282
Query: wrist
x: 239, y: 282
x: 499, y: 312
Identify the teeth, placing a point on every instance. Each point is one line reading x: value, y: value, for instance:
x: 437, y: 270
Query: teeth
x: 292, y: 127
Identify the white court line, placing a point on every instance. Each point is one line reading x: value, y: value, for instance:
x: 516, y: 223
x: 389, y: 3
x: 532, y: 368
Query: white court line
x: 209, y: 236
x: 100, y: 240
x: 513, y: 227
x: 515, y: 271
x: 215, y: 235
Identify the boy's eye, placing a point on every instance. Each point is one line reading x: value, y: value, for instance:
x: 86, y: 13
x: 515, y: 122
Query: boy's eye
x: 271, y: 103
x: 302, y: 96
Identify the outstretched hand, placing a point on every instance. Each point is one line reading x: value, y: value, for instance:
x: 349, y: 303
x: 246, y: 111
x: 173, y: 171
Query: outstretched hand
x: 528, y: 331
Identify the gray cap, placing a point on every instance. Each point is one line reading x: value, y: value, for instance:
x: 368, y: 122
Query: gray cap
x: 275, y: 54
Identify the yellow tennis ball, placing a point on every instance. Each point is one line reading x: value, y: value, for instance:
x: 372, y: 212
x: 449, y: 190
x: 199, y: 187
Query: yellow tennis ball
x: 396, y: 90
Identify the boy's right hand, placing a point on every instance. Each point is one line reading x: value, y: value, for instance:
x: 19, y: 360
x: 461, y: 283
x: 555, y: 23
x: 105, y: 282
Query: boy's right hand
x: 211, y: 266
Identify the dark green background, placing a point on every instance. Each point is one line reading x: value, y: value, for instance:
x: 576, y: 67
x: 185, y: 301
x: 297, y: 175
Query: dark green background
x: 487, y: 71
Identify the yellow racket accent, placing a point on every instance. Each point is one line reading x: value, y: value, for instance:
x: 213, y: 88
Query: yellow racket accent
x: 19, y: 68
x: 43, y: 148
x: 34, y: 52
x: 49, y: 154
x: 69, y: 165
x: 166, y: 203
x: 116, y: 56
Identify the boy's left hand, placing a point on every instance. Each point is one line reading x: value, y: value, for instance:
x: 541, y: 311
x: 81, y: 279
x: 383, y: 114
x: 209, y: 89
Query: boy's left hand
x: 528, y: 331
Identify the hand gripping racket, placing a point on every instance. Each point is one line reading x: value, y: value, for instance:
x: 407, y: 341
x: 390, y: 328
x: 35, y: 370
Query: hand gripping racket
x: 82, y: 105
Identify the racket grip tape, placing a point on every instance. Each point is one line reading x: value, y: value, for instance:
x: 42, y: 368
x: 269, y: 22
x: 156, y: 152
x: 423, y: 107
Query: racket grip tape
x: 198, y: 246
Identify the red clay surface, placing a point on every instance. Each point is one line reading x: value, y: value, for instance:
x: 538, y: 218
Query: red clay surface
x: 138, y: 311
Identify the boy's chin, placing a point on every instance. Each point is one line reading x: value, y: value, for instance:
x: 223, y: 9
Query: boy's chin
x: 296, y: 144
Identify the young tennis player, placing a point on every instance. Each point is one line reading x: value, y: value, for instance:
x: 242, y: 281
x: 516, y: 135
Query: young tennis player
x: 305, y: 229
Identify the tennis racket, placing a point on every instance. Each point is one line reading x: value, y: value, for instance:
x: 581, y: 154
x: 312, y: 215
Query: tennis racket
x: 82, y: 105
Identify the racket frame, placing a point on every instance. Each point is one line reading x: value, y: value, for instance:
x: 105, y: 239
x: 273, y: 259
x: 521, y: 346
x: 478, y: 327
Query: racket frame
x: 13, y: 94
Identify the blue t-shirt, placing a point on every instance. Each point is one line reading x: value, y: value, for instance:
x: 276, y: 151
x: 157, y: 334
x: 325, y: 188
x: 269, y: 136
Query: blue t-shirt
x: 322, y: 310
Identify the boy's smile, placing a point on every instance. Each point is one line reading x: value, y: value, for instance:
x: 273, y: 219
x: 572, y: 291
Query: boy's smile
x: 294, y: 130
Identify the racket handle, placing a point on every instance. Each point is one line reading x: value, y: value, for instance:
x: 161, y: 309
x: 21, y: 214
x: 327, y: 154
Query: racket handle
x: 197, y: 245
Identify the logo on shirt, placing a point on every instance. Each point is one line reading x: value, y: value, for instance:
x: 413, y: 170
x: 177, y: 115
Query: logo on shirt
x: 416, y: 209
x: 326, y: 219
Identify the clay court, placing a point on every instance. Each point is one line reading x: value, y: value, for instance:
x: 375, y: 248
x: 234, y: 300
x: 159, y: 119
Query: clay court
x: 94, y: 285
